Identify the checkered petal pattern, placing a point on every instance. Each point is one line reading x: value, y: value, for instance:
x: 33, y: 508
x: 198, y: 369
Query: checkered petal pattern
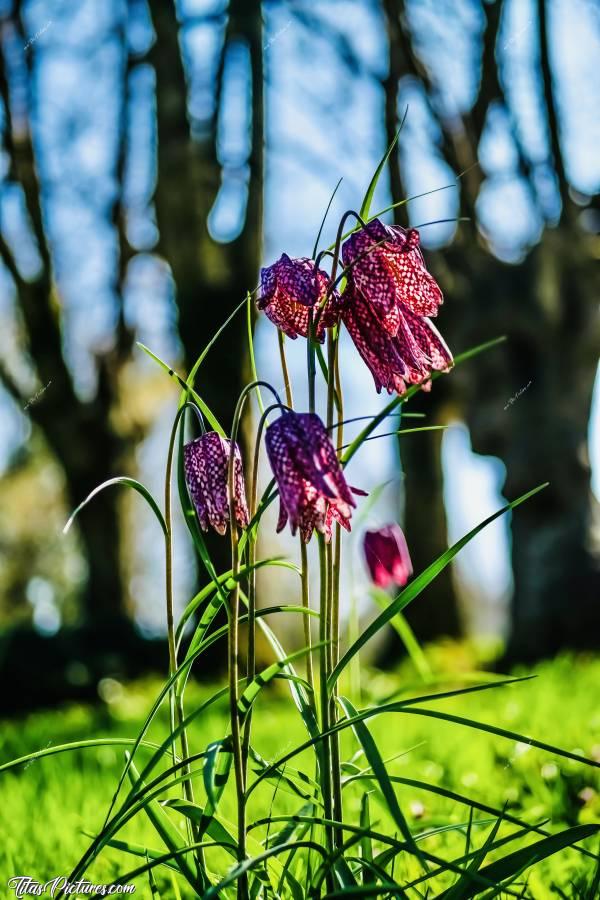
x: 289, y: 289
x: 206, y: 466
x: 409, y: 357
x: 312, y: 487
x: 387, y: 556
x: 388, y: 270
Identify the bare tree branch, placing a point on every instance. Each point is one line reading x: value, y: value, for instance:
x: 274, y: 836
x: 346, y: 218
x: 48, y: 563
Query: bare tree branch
x: 551, y: 109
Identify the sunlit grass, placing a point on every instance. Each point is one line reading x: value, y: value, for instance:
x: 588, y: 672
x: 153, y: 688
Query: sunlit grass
x: 48, y: 804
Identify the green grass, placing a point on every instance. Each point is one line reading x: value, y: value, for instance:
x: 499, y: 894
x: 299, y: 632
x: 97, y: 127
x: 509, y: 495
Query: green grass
x: 46, y: 805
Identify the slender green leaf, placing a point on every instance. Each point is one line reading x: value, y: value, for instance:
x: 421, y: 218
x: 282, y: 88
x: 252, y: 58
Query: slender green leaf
x: 406, y: 635
x: 460, y: 890
x: 128, y: 482
x: 189, y: 390
x: 368, y: 198
x: 215, y: 774
x: 419, y: 584
x: 516, y: 862
x: 501, y: 732
x: 249, y: 329
x: 324, y: 219
x: 263, y: 678
x: 134, y: 849
x: 74, y: 745
x: 210, y: 824
x: 366, y: 741
x: 397, y: 401
x: 169, y: 834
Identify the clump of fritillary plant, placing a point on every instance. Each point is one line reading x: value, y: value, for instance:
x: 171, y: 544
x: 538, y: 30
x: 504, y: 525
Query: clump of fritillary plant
x: 240, y: 838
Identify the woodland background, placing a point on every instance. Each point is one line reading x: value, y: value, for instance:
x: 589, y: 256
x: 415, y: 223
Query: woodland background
x: 154, y: 154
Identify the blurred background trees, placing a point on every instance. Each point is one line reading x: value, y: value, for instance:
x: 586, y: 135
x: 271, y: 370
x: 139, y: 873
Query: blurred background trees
x: 148, y: 150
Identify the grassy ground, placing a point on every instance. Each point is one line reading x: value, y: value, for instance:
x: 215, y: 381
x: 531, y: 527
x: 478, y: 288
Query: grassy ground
x: 47, y: 805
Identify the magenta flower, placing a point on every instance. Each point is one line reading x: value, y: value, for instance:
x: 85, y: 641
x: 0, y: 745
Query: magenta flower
x: 289, y: 289
x: 388, y: 271
x: 387, y: 556
x: 206, y: 465
x: 409, y: 357
x: 312, y: 487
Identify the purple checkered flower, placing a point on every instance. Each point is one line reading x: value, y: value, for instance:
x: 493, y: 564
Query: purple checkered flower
x: 387, y: 556
x: 206, y: 465
x: 409, y: 357
x: 388, y: 271
x: 312, y: 487
x: 289, y: 289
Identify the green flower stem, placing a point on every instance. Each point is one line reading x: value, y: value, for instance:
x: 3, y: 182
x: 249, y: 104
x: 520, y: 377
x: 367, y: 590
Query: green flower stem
x: 233, y: 634
x: 289, y: 399
x: 335, y: 622
x: 176, y: 708
x: 310, y: 361
x: 251, y: 593
x: 334, y: 399
x: 310, y: 675
x: 324, y: 698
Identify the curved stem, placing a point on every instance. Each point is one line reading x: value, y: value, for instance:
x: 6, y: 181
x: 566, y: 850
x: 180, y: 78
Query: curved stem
x: 233, y: 636
x: 324, y: 698
x: 176, y: 700
x: 310, y: 675
x: 251, y: 667
x: 335, y: 621
x: 284, y: 369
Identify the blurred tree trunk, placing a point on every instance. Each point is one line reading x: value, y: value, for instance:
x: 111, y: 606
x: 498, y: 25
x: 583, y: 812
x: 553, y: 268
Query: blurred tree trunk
x: 528, y: 401
x: 80, y: 434
x: 435, y: 613
x: 211, y: 277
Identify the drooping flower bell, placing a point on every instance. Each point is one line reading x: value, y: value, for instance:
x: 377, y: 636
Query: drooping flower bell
x: 206, y: 466
x: 387, y: 556
x: 395, y: 361
x: 289, y: 289
x: 388, y: 271
x: 312, y: 487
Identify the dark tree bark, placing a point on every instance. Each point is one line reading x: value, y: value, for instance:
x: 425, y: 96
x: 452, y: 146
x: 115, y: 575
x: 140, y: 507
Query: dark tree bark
x: 529, y: 400
x: 436, y: 612
x: 211, y: 278
x: 78, y: 433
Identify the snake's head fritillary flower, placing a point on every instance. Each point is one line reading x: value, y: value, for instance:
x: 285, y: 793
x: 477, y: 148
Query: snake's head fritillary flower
x: 387, y: 556
x: 388, y: 270
x: 312, y: 487
x: 409, y: 357
x: 289, y: 289
x: 206, y: 466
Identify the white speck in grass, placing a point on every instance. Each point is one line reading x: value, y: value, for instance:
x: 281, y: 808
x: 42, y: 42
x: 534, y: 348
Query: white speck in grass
x: 417, y: 809
x: 549, y: 771
x: 521, y: 748
x: 470, y: 779
x: 512, y: 711
x: 110, y: 690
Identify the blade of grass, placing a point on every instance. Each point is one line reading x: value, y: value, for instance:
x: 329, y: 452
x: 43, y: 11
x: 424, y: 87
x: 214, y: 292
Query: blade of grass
x: 406, y: 635
x: 366, y: 741
x: 170, y: 835
x: 393, y: 404
x: 516, y: 862
x: 368, y: 198
x: 418, y: 585
x: 249, y: 328
x: 127, y: 482
x: 205, y: 409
